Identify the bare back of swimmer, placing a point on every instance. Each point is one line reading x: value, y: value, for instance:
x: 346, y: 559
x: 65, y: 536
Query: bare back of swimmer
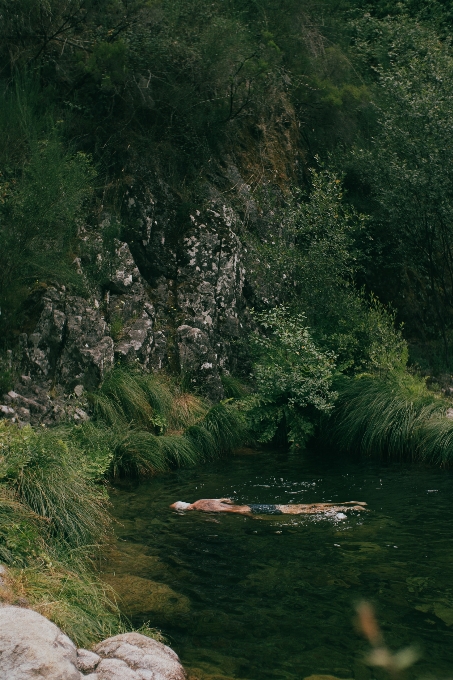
x: 227, y: 505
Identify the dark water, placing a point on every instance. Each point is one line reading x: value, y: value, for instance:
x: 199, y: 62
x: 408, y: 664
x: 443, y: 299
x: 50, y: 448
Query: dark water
x: 273, y: 598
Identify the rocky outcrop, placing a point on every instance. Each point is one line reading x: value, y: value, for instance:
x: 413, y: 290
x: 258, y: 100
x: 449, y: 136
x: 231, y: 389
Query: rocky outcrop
x: 194, y: 267
x: 171, y: 297
x: 71, y: 342
x: 33, y: 648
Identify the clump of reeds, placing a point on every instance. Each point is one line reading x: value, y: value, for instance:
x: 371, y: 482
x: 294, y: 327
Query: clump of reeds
x: 150, y: 425
x: 392, y: 415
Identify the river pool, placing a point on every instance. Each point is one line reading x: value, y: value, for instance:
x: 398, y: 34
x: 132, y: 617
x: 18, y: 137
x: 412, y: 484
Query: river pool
x: 273, y: 598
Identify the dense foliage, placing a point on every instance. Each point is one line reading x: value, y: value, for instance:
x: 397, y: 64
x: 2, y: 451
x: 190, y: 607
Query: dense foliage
x: 338, y: 113
x: 292, y: 379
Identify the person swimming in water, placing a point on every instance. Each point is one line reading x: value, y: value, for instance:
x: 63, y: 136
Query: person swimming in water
x: 227, y: 505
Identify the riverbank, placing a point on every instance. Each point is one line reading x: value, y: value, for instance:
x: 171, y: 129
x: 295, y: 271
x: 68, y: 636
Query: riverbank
x: 56, y: 531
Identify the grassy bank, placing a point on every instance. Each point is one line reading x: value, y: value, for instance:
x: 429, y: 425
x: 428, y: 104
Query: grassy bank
x: 53, y: 521
x: 54, y: 518
x: 143, y: 424
x: 392, y: 415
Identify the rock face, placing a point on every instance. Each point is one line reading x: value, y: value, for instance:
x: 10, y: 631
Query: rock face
x: 171, y: 297
x: 33, y: 648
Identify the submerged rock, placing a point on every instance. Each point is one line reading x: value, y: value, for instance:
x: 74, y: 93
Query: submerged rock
x: 139, y: 595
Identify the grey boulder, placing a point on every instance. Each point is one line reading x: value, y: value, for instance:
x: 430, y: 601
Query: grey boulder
x: 34, y: 648
x: 31, y: 646
x: 147, y: 658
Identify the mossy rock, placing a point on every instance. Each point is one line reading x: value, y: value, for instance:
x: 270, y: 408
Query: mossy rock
x: 131, y: 558
x: 138, y: 595
x: 441, y: 610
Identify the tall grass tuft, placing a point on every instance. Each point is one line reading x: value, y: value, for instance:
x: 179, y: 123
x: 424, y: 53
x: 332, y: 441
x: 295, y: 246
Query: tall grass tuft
x: 138, y: 453
x: 52, y: 520
x: 152, y: 425
x: 226, y: 425
x: 47, y: 477
x: 395, y: 415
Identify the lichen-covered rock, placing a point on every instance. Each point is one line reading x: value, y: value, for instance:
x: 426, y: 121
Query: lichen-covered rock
x: 199, y: 361
x: 125, y: 276
x: 137, y: 341
x: 41, y: 348
x: 70, y: 343
x: 33, y: 648
x: 209, y: 295
x: 194, y: 268
x: 87, y: 351
x: 148, y: 658
x: 87, y: 661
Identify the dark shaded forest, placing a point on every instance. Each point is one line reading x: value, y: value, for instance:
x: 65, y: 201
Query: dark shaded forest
x: 95, y: 92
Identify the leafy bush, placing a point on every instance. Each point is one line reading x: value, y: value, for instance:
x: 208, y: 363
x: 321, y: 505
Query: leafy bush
x: 293, y: 379
x: 308, y: 261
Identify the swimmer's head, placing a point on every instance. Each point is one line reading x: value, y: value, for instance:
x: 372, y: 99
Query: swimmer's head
x: 180, y: 505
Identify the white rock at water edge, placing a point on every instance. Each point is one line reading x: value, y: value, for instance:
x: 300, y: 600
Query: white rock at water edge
x: 31, y: 646
x: 34, y: 648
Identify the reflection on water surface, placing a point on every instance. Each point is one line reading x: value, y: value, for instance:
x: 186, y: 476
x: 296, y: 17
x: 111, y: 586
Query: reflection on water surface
x: 272, y: 598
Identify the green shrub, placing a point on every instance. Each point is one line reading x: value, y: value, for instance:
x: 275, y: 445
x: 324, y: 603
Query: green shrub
x: 308, y: 261
x: 293, y: 379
